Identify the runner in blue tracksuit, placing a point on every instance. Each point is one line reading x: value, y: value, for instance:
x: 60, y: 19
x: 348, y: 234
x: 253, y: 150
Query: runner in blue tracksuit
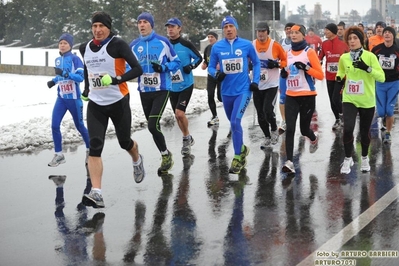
x: 232, y: 54
x: 157, y: 58
x: 182, y: 79
x: 69, y: 74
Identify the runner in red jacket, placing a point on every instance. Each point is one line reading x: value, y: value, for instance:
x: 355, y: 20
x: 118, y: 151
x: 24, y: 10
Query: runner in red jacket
x: 332, y: 49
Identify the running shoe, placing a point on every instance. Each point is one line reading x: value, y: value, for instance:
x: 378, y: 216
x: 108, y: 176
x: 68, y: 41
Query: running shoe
x: 337, y: 124
x: 387, y: 138
x: 166, y: 164
x: 213, y: 122
x: 274, y: 137
x: 282, y: 128
x: 365, y: 166
x: 288, y: 167
x: 93, y: 199
x: 244, y: 153
x: 266, y: 144
x: 57, y: 160
x: 346, y: 165
x: 237, y: 166
x: 138, y: 171
x: 187, y: 143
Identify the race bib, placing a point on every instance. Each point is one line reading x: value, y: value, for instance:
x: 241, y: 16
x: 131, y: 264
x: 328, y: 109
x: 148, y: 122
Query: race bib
x: 66, y: 86
x: 294, y: 82
x: 177, y: 77
x: 355, y: 87
x: 332, y: 67
x: 95, y: 80
x: 386, y: 62
x: 232, y: 66
x: 150, y: 80
x: 264, y: 74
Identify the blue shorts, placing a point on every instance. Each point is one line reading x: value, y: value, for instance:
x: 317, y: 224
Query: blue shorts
x: 387, y: 95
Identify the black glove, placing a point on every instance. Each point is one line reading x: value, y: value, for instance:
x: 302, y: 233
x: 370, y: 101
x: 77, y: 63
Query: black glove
x: 58, y: 71
x: 300, y: 65
x: 253, y: 86
x: 158, y: 67
x: 220, y: 76
x: 361, y: 65
x: 85, y: 95
x: 187, y: 69
x: 338, y: 79
x: 283, y: 73
x: 272, y: 64
x: 50, y: 84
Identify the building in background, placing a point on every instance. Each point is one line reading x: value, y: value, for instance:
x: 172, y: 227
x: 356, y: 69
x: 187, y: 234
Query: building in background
x: 382, y: 6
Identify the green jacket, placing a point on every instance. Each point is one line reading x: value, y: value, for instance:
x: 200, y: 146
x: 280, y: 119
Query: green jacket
x: 359, y: 86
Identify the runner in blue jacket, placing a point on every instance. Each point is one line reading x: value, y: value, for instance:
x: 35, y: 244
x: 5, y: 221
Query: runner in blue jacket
x: 157, y: 58
x: 232, y: 54
x: 182, y: 79
x: 69, y: 74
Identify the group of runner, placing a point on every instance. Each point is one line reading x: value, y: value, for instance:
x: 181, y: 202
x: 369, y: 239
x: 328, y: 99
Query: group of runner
x: 163, y: 67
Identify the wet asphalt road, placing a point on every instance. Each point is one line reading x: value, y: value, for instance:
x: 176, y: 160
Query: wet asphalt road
x: 201, y: 215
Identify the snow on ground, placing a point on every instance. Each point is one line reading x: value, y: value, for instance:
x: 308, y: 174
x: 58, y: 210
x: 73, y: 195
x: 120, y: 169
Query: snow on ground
x: 26, y: 107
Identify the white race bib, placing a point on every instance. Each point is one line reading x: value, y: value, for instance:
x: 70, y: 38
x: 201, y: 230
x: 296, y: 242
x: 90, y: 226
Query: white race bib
x: 264, y: 75
x: 332, y: 67
x: 95, y: 80
x: 177, y: 77
x: 386, y: 62
x: 150, y: 80
x: 66, y: 86
x: 233, y: 65
x: 355, y: 87
x: 294, y: 82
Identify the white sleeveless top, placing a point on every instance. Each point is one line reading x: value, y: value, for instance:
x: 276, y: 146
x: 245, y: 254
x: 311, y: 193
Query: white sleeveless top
x: 296, y: 80
x: 99, y: 64
x: 269, y: 78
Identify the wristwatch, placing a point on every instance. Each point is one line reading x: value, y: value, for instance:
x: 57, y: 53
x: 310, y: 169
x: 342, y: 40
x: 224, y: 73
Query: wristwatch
x: 307, y: 67
x: 119, y: 79
x: 369, y: 70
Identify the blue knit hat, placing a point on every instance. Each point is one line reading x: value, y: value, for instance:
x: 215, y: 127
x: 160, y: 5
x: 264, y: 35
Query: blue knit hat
x: 146, y: 16
x: 68, y: 38
x: 229, y: 20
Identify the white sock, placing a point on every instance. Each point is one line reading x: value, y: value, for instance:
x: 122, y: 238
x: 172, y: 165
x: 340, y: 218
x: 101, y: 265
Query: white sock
x: 138, y: 162
x: 166, y: 152
x: 98, y: 190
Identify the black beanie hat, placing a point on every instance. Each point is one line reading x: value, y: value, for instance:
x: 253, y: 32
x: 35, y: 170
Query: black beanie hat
x: 390, y: 29
x: 332, y: 27
x: 103, y: 18
x: 214, y: 34
x: 289, y: 25
x: 381, y: 23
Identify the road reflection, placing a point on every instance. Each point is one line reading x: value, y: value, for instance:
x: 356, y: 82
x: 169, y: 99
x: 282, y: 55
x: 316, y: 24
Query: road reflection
x: 184, y: 236
x: 158, y: 250
x: 75, y: 231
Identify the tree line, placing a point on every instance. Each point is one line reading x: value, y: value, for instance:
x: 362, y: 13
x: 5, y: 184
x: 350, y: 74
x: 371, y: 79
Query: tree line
x: 40, y: 23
